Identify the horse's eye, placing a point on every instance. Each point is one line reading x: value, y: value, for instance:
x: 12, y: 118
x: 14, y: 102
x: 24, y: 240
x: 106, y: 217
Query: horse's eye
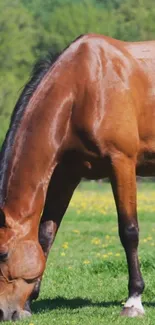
x: 3, y: 257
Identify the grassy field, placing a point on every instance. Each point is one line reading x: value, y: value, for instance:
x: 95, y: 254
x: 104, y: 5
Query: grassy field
x: 86, y: 277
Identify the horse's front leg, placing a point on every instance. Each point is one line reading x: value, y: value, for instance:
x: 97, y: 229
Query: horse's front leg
x: 61, y: 187
x: 123, y: 180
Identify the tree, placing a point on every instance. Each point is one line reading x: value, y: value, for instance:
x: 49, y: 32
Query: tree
x: 32, y: 28
x: 136, y: 20
x: 16, y: 54
x: 68, y: 21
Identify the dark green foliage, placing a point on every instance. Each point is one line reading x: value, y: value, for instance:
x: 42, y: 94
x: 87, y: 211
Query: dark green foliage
x: 30, y: 29
x: 17, y: 39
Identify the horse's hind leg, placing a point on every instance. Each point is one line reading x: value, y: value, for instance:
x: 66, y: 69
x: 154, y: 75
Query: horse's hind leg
x: 61, y: 187
x: 123, y: 180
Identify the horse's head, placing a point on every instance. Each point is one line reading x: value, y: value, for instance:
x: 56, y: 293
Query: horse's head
x: 21, y: 263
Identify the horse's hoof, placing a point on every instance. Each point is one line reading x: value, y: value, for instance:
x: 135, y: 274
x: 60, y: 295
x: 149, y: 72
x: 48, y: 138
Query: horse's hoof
x: 132, y: 312
x: 24, y: 314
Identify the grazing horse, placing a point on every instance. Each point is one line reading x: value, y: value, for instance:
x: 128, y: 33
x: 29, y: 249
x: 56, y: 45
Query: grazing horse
x: 91, y: 114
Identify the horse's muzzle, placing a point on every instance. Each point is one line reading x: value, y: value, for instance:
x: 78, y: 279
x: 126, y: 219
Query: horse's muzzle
x: 13, y: 315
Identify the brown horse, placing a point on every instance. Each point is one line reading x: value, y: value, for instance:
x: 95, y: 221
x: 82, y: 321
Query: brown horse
x: 89, y: 114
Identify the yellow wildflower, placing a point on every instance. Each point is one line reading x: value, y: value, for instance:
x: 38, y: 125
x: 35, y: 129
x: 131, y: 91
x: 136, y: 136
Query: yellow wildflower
x: 96, y: 241
x: 105, y: 255
x: 76, y: 231
x: 149, y: 238
x: 86, y: 262
x: 65, y: 245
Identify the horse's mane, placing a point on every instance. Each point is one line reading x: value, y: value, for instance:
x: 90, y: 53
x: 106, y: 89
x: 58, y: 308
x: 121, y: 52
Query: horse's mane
x: 38, y: 72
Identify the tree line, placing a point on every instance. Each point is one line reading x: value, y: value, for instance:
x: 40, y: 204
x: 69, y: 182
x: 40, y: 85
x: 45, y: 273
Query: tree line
x: 30, y: 29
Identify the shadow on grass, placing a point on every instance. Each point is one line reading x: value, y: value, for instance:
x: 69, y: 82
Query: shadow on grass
x: 62, y: 303
x: 75, y: 303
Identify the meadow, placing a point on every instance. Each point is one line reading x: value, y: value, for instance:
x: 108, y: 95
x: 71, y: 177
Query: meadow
x: 85, y: 281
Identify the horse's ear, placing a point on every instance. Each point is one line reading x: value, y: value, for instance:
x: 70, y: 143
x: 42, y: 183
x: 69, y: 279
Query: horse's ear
x: 2, y: 218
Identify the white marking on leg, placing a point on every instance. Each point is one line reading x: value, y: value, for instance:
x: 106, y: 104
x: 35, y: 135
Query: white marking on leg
x: 135, y: 302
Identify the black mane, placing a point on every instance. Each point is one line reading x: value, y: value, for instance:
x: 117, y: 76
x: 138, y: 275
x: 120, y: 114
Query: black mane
x: 38, y: 72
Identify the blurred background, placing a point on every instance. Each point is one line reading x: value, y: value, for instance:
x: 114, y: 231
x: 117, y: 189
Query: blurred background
x: 29, y: 29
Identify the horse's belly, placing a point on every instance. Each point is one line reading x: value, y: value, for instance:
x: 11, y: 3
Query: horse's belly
x: 96, y: 168
x: 146, y: 164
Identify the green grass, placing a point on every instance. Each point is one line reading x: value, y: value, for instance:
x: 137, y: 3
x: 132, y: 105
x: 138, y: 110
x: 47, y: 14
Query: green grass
x: 76, y: 293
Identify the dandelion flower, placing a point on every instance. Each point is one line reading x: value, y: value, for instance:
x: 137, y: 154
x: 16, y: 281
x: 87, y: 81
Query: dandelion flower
x: 105, y: 255
x: 96, y: 241
x: 149, y: 238
x: 86, y: 262
x: 76, y: 231
x: 65, y: 245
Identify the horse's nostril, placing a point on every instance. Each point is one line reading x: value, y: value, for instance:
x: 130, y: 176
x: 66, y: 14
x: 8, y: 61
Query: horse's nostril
x: 1, y: 315
x: 15, y: 316
x: 3, y: 257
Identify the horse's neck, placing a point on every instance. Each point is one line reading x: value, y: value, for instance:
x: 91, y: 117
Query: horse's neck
x: 34, y: 154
